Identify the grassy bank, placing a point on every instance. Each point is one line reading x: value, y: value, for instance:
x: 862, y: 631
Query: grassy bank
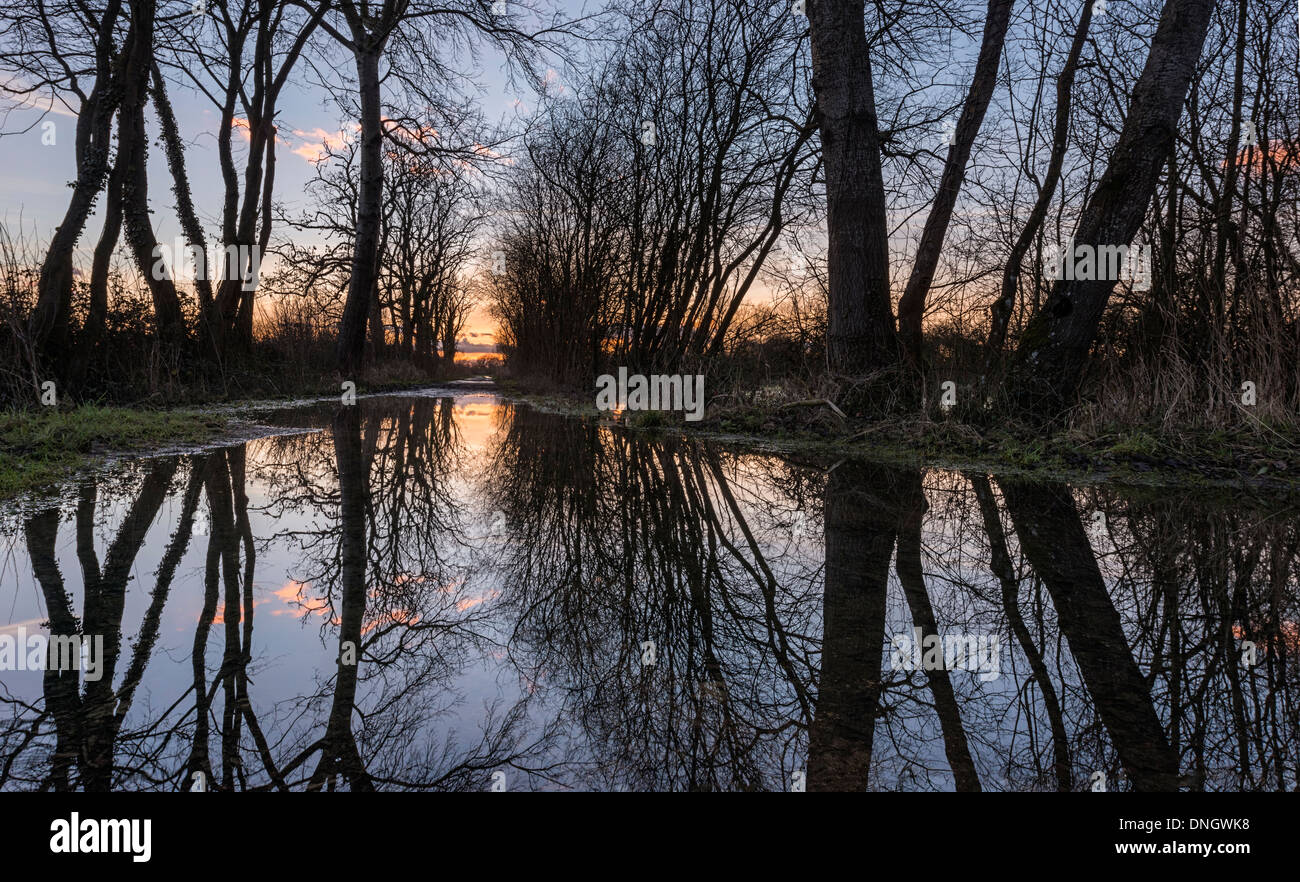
x: 41, y: 447
x: 1256, y: 455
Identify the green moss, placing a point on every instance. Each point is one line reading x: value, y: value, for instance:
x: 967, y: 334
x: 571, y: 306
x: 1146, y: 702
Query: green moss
x: 41, y: 447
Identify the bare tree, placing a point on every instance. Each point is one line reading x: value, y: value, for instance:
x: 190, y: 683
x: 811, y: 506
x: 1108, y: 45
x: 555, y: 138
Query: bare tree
x: 860, y: 336
x: 70, y: 51
x: 1054, y: 348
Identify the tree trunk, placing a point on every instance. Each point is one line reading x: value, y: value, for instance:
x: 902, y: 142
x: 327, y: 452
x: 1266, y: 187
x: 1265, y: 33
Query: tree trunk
x: 378, y: 342
x: 1000, y: 564
x: 860, y: 335
x: 365, y: 253
x: 1050, y: 359
x: 264, y: 232
x: 862, y: 515
x: 1006, y: 302
x: 911, y: 308
x: 339, y: 752
x: 133, y: 149
x: 1223, y: 211
x: 92, y: 334
x: 449, y: 343
x: 189, y: 219
x: 50, y: 318
x: 911, y: 577
x: 1053, y: 540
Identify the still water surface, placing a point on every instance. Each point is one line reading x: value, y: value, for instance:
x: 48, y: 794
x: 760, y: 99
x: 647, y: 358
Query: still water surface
x: 454, y: 592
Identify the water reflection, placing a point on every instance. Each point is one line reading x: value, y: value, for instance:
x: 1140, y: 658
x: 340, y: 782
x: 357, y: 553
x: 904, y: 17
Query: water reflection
x: 460, y: 594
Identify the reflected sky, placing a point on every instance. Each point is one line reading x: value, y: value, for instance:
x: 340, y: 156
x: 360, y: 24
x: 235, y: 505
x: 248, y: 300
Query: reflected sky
x: 460, y: 593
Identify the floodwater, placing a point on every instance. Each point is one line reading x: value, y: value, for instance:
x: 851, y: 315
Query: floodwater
x: 449, y: 591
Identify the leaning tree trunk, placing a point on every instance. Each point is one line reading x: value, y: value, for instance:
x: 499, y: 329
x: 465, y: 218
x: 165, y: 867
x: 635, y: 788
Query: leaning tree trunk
x: 1005, y: 305
x: 365, y: 249
x: 911, y: 308
x: 50, y: 322
x: 860, y: 334
x: 1053, y: 351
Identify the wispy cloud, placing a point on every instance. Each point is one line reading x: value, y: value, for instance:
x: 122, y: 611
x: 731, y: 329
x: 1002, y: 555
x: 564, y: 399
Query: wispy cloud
x: 316, y: 144
x: 33, y: 101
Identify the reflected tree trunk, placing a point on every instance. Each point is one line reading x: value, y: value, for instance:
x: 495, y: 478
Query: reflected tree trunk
x: 862, y: 519
x: 339, y: 754
x: 1053, y: 540
x: 103, y: 616
x: 1000, y: 561
x: 87, y: 726
x: 62, y: 695
x: 911, y: 577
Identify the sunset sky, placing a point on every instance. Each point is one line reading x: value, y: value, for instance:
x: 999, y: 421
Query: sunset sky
x: 35, y: 176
